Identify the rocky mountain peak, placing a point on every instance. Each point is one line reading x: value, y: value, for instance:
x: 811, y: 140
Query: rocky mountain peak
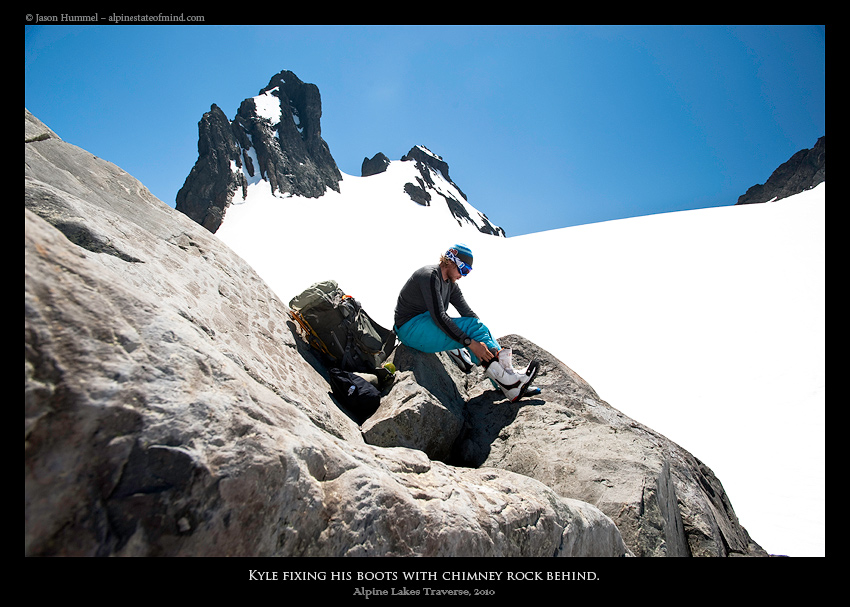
x: 423, y: 155
x: 375, y: 165
x: 275, y: 136
x: 434, y: 184
x: 803, y: 171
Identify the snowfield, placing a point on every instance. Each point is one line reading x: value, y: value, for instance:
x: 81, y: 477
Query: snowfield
x: 707, y: 326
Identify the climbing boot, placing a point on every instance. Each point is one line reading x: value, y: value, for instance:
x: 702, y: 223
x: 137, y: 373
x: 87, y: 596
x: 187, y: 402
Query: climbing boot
x: 501, y: 372
x: 461, y: 358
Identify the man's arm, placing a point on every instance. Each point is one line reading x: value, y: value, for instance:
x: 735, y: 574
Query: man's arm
x: 459, y: 302
x: 434, y: 303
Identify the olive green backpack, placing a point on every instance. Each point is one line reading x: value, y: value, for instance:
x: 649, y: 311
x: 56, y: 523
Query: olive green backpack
x: 336, y: 325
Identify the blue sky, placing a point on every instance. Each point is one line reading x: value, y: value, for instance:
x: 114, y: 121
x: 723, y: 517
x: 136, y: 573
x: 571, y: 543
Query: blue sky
x: 542, y: 126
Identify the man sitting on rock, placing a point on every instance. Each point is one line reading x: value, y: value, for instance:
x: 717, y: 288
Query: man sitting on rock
x: 422, y: 323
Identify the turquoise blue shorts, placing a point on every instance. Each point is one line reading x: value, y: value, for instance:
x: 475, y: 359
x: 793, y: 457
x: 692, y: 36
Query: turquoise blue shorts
x: 422, y: 333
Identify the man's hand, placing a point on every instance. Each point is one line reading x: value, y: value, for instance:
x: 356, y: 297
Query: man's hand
x: 481, y: 350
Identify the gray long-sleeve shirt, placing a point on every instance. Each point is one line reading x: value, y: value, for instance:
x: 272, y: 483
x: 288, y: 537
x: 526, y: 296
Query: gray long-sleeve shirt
x: 426, y: 291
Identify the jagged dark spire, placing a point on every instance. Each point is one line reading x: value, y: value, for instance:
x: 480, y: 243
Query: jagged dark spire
x: 275, y: 136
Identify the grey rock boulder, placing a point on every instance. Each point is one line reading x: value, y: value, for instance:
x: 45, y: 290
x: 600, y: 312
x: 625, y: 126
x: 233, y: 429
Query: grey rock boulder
x: 171, y: 410
x: 424, y: 408
x: 664, y: 500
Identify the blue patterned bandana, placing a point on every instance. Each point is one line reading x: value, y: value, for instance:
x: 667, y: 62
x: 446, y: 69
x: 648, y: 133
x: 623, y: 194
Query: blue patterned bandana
x: 454, y: 256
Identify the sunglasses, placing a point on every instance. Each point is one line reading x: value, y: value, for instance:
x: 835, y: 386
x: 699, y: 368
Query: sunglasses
x: 461, y: 266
